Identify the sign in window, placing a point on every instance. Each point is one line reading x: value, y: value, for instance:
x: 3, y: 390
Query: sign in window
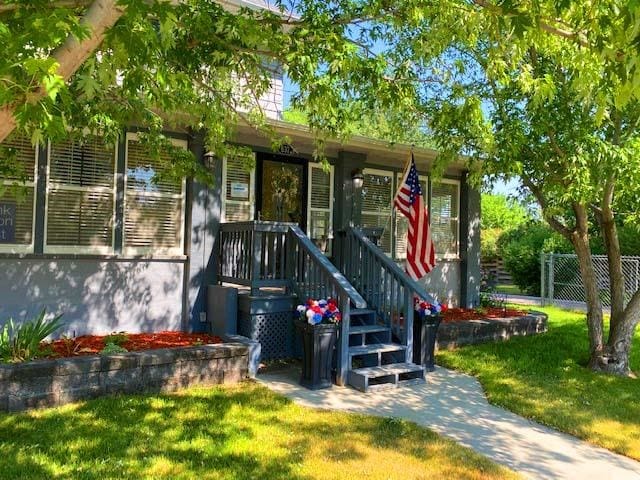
x: 7, y: 222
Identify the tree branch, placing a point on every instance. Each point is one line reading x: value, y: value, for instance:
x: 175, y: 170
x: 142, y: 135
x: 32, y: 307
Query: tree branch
x: 100, y: 16
x: 553, y: 221
x: 544, y: 24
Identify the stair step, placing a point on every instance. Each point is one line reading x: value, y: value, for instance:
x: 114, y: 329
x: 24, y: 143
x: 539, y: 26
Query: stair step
x: 390, y: 369
x: 354, y: 329
x: 376, y: 348
x: 368, y: 379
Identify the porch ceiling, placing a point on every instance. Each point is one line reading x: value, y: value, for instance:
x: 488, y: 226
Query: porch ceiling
x: 377, y: 151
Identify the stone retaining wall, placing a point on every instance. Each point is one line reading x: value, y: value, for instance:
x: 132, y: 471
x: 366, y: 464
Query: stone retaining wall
x: 45, y: 383
x: 468, y: 332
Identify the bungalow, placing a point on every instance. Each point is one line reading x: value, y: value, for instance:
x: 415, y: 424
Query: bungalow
x: 90, y: 236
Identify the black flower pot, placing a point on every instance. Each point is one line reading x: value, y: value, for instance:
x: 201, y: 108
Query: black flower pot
x: 318, y: 343
x: 425, y: 330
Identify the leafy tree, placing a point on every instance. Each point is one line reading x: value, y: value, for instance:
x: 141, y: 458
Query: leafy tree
x: 501, y: 212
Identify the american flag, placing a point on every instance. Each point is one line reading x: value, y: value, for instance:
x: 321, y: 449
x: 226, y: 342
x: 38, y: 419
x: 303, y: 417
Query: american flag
x: 421, y: 255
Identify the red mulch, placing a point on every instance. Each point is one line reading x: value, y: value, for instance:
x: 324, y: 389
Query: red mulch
x: 463, y: 314
x: 93, y: 344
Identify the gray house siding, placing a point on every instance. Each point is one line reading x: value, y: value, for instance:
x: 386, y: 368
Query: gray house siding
x: 95, y: 296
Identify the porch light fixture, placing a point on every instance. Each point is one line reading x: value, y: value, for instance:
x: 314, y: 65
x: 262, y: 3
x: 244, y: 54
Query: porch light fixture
x: 357, y: 178
x: 209, y: 160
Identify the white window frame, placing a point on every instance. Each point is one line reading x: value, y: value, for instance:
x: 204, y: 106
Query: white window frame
x: 153, y: 251
x: 397, y: 215
x: 252, y: 192
x: 80, y: 249
x: 20, y: 248
x: 391, y: 174
x: 457, y: 183
x: 331, y: 200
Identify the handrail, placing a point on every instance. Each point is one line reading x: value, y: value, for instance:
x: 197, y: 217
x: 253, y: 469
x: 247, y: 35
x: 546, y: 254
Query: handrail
x: 337, y: 279
x: 253, y: 254
x: 402, y: 276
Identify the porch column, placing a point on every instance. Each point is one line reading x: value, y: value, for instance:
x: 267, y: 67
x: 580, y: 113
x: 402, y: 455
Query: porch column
x: 348, y: 206
x: 205, y: 207
x: 469, y: 244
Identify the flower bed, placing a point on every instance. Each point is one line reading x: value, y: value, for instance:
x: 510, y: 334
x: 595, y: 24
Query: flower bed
x: 470, y: 326
x: 465, y: 314
x: 94, y: 344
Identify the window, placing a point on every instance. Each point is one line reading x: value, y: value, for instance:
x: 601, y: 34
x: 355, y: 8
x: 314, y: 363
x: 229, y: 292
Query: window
x: 320, y: 205
x: 402, y: 224
x: 238, y: 188
x: 80, y: 197
x: 17, y: 198
x: 445, y: 212
x: 154, y: 208
x: 377, y: 197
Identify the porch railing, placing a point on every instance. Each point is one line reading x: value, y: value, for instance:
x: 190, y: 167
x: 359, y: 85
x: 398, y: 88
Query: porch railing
x: 254, y: 254
x: 386, y: 288
x: 312, y: 275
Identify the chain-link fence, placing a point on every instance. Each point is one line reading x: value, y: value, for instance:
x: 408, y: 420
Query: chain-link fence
x: 561, y: 280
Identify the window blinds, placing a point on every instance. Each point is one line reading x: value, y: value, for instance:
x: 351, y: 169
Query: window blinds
x: 238, y: 189
x: 18, y: 189
x: 154, y: 208
x: 320, y: 206
x: 445, y: 198
x: 377, y: 198
x: 80, y: 196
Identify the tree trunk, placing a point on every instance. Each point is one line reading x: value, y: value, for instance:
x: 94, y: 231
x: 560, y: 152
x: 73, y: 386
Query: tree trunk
x: 580, y: 240
x: 595, y: 322
x: 100, y: 17
x: 615, y: 356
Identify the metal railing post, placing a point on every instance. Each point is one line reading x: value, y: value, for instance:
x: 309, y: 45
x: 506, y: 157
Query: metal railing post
x: 542, y: 280
x: 551, y: 276
x: 342, y: 363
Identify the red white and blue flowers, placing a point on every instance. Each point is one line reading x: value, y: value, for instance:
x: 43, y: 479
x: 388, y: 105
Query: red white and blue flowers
x: 320, y: 311
x: 426, y: 309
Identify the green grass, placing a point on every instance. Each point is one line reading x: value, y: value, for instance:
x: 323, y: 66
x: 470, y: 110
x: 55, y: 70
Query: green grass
x: 240, y: 432
x: 544, y: 378
x: 509, y: 289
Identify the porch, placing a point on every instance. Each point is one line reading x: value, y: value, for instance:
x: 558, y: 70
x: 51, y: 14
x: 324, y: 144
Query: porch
x: 275, y: 265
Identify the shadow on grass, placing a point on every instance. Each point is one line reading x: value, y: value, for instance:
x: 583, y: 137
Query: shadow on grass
x: 242, y: 432
x: 544, y: 378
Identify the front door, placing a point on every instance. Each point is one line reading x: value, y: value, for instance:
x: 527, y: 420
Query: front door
x: 282, y: 190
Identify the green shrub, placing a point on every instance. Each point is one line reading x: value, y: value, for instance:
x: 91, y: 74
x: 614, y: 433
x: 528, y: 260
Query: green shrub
x: 119, y: 338
x: 489, y: 243
x: 111, y: 348
x: 521, y: 248
x: 22, y: 343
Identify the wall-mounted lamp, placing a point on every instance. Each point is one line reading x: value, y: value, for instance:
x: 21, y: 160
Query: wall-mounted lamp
x: 357, y: 178
x: 209, y: 160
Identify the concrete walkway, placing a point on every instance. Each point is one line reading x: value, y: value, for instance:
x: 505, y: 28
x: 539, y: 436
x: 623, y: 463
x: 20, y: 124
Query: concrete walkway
x: 454, y: 405
x: 566, y: 304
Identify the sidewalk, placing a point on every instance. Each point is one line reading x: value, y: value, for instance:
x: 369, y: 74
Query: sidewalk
x: 454, y: 405
x: 566, y: 304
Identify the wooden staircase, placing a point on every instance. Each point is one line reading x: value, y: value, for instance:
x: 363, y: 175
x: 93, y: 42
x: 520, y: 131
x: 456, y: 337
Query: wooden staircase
x: 375, y: 344
x: 374, y: 360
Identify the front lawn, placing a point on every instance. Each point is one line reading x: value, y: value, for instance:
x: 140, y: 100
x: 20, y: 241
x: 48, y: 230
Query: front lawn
x: 543, y: 378
x: 240, y: 432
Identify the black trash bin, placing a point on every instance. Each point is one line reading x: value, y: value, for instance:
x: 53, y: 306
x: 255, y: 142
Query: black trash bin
x: 425, y: 330
x: 318, y: 344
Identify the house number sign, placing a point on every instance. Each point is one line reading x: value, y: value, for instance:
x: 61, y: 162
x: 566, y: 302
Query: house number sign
x: 7, y: 222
